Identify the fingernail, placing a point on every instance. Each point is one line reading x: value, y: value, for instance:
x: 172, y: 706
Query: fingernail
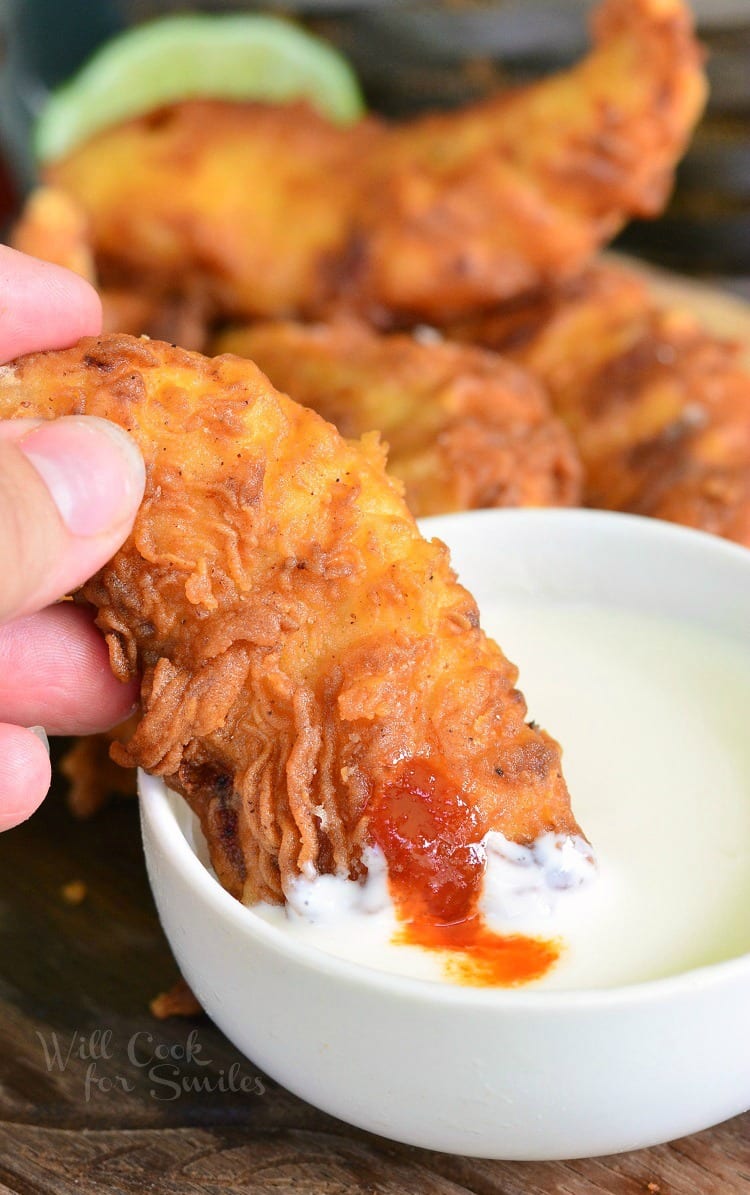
x: 92, y: 469
x: 41, y: 734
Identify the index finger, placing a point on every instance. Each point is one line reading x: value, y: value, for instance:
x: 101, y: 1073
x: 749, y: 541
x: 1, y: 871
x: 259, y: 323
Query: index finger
x: 43, y: 306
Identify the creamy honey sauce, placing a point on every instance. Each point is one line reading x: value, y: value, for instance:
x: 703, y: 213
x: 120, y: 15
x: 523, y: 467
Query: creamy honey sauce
x: 654, y: 718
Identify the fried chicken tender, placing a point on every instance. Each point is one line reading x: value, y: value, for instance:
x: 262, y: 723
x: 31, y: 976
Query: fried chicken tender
x: 241, y: 201
x: 463, y: 428
x: 307, y: 658
x: 273, y: 211
x: 476, y: 206
x: 658, y: 406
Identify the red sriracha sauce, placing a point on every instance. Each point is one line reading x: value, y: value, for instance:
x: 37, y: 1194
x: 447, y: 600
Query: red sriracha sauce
x: 429, y: 836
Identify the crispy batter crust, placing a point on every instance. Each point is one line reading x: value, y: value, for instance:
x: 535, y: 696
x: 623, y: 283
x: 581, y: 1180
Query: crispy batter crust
x: 464, y: 429
x: 300, y: 643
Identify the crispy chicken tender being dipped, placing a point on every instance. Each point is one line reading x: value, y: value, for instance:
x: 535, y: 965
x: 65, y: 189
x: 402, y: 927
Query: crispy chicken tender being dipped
x: 659, y: 407
x: 463, y: 428
x: 314, y: 679
x: 274, y: 211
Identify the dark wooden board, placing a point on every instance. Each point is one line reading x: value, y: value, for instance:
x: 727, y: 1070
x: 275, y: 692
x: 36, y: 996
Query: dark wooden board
x: 68, y: 972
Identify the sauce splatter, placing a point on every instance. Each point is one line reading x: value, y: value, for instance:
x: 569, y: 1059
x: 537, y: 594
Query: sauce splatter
x: 429, y: 834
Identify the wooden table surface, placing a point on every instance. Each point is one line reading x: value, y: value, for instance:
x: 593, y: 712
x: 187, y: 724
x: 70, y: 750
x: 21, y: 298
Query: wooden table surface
x: 97, y: 1095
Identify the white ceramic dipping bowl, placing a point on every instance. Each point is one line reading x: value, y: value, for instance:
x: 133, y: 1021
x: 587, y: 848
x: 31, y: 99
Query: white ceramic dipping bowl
x: 507, y: 1074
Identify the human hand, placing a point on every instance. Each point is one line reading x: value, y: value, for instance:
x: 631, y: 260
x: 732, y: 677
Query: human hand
x: 69, y: 491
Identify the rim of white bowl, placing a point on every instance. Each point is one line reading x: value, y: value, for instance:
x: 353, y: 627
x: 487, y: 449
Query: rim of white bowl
x: 622, y: 520
x: 156, y: 806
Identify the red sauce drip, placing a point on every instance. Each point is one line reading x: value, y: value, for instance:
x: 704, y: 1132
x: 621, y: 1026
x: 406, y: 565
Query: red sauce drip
x: 428, y: 832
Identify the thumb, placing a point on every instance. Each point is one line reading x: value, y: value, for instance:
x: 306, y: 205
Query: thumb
x: 69, y: 492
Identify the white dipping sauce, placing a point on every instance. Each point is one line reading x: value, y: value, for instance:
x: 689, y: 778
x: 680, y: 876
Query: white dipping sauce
x: 654, y: 719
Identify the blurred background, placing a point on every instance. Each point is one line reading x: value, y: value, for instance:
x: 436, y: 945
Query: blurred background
x: 416, y: 55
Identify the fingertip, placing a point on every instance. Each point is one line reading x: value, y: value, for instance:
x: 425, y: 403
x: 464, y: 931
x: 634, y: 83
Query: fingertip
x: 93, y: 471
x: 123, y: 703
x: 25, y: 774
x: 79, y: 305
x: 70, y: 489
x: 51, y: 307
x: 61, y: 676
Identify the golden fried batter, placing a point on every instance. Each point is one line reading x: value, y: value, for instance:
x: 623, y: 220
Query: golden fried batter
x: 273, y: 211
x: 463, y: 428
x: 659, y: 408
x: 307, y: 657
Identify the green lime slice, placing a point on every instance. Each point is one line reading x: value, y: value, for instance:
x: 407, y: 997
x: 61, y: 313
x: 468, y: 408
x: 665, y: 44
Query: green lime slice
x: 244, y: 57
